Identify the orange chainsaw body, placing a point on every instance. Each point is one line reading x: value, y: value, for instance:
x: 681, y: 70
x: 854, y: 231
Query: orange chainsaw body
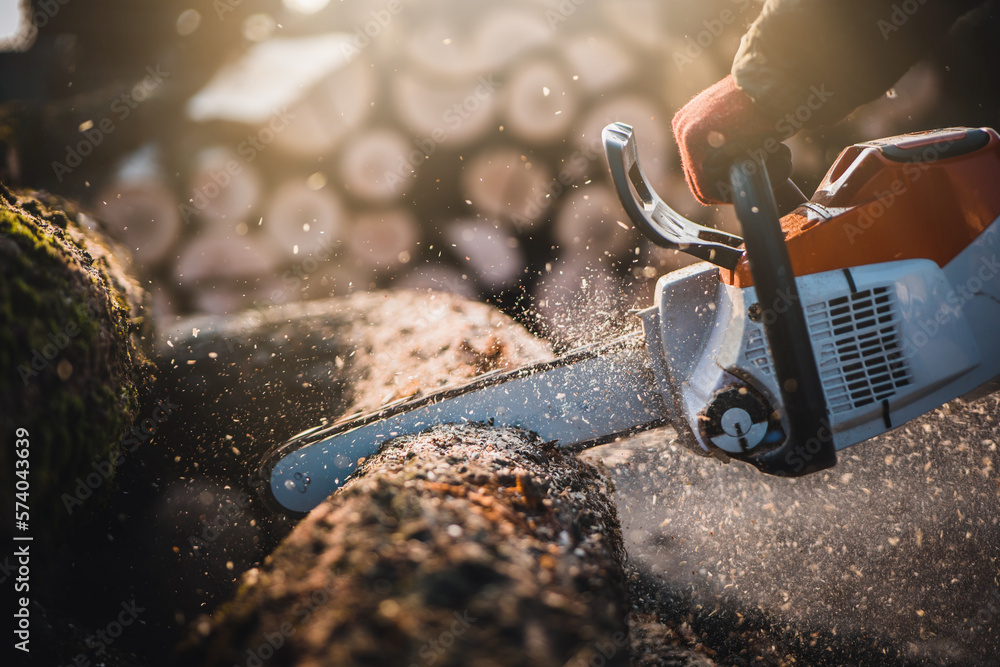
x: 926, y: 195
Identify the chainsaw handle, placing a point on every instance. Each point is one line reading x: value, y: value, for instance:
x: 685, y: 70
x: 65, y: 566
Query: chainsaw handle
x: 809, y: 443
x: 651, y: 215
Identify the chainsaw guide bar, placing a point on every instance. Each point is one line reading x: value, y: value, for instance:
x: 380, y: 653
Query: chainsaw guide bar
x: 589, y: 396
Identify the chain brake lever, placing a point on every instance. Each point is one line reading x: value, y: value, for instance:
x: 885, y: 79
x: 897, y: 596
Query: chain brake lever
x: 652, y: 216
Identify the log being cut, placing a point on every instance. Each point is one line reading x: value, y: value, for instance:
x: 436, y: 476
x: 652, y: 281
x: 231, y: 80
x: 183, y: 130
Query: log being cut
x: 462, y: 545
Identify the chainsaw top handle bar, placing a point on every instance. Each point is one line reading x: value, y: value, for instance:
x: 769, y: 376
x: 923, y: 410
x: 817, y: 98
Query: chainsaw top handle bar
x: 663, y: 225
x: 809, y: 437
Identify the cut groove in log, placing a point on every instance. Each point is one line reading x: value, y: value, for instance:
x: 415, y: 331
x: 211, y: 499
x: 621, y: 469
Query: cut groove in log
x: 504, y: 184
x: 301, y: 221
x: 376, y: 165
x: 266, y: 374
x: 491, y: 254
x: 476, y: 545
x: 540, y: 102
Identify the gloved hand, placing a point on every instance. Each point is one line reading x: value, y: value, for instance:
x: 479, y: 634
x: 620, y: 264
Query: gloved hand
x: 719, y: 126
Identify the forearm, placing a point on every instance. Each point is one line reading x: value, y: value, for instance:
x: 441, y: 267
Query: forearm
x: 819, y: 59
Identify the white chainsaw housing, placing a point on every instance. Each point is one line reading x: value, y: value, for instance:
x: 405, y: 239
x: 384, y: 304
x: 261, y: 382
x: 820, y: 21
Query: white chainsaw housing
x: 891, y: 342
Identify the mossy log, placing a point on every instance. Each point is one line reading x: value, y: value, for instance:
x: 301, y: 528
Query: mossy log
x: 464, y: 545
x: 72, y: 363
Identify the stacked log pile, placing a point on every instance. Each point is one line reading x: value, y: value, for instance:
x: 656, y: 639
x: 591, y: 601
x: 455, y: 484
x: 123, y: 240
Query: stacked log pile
x: 453, y: 146
x: 414, y: 119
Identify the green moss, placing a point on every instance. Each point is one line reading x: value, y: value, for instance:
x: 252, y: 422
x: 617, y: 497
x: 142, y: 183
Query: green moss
x: 69, y: 367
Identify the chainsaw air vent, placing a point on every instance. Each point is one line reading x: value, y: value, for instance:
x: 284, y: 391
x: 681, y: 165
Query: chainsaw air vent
x: 757, y: 351
x: 859, y: 347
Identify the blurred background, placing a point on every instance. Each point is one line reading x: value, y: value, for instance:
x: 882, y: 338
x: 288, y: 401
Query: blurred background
x: 256, y: 152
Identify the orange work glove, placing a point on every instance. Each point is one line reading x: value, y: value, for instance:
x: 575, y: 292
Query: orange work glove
x: 719, y: 126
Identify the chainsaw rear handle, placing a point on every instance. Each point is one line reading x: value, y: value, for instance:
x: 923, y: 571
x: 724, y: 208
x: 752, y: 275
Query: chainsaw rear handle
x: 809, y: 438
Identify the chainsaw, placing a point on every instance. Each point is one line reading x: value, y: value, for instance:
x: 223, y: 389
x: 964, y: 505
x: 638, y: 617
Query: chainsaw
x: 829, y: 322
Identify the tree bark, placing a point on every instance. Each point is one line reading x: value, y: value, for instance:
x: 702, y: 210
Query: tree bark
x: 464, y: 545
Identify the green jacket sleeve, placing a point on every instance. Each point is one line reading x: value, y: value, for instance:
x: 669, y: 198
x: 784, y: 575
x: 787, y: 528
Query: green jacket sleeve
x: 820, y: 59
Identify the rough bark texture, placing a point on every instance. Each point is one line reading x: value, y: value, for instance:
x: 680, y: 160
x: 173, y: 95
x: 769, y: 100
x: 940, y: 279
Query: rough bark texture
x: 465, y: 545
x: 72, y: 364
